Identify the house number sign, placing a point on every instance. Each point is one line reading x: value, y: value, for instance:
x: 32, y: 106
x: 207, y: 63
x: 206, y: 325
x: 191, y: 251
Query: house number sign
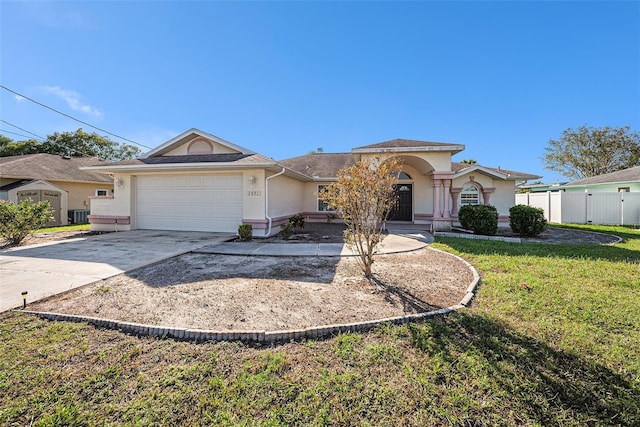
x: 254, y: 193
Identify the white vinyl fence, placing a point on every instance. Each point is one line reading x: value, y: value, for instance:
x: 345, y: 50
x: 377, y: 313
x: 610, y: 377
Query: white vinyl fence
x: 611, y: 208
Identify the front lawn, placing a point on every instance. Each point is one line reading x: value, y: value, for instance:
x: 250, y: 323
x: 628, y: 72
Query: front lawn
x: 72, y: 227
x: 551, y: 339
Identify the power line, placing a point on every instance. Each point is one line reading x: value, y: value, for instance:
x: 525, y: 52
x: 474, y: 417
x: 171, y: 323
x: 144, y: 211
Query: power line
x: 15, y: 133
x: 43, y: 139
x: 24, y: 130
x: 73, y: 118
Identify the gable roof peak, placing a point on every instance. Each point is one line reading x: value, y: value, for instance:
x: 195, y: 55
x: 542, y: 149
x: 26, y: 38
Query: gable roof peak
x: 400, y: 144
x: 189, y: 135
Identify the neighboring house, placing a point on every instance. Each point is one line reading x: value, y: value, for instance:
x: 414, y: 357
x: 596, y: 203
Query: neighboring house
x: 539, y: 188
x: 56, y: 179
x: 623, y: 180
x: 197, y: 181
x: 611, y: 198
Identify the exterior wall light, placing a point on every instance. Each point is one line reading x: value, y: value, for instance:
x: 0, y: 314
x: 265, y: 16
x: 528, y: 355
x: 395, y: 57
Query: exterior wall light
x: 252, y: 181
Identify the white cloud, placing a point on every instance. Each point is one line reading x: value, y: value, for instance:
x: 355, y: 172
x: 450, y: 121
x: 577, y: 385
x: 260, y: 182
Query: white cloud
x: 19, y: 98
x: 72, y: 99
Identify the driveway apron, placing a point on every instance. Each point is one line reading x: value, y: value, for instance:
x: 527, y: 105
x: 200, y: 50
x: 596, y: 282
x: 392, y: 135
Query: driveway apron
x: 50, y: 268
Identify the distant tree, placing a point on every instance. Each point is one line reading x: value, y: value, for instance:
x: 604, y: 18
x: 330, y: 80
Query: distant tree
x: 588, y: 151
x: 317, y: 150
x: 9, y: 147
x: 469, y: 161
x: 73, y: 144
x: 364, y: 195
x: 80, y: 143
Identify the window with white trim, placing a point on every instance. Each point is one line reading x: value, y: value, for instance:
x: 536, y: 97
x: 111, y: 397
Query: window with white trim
x: 323, y: 206
x: 102, y: 192
x: 470, y: 195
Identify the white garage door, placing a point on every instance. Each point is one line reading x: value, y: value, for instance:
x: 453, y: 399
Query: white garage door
x: 189, y: 202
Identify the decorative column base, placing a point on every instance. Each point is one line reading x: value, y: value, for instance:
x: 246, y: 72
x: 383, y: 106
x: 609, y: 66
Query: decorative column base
x: 442, y: 224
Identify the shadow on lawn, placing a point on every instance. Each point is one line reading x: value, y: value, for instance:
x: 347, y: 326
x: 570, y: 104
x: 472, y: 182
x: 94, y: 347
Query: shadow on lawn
x: 410, y: 302
x: 544, y: 385
x: 568, y: 251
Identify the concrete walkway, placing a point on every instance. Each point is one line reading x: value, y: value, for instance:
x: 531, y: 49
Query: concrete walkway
x: 398, y: 240
x: 50, y: 268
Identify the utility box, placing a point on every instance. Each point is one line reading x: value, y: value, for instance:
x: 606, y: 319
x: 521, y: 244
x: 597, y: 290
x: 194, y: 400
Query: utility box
x: 79, y: 216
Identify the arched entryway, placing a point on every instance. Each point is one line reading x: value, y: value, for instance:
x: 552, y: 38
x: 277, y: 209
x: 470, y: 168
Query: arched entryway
x: 413, y: 190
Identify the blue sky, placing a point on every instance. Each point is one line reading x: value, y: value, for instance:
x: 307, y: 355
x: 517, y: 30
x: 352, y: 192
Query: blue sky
x: 284, y: 78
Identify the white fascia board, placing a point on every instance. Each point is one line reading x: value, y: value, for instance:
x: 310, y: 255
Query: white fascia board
x: 598, y: 184
x: 169, y: 145
x: 400, y: 150
x: 483, y: 170
x: 59, y: 180
x: 41, y: 182
x: 176, y: 167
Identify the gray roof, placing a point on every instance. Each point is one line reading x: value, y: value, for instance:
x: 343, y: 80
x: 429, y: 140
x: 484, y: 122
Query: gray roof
x: 235, y: 159
x: 323, y: 165
x: 327, y: 165
x: 193, y: 158
x: 50, y: 167
x: 17, y: 184
x: 460, y: 167
x: 407, y: 143
x: 625, y: 175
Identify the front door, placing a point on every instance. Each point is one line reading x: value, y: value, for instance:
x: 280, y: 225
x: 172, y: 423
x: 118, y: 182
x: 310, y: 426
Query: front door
x: 402, y: 210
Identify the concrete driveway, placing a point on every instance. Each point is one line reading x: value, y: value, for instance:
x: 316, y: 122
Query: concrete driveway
x: 50, y: 268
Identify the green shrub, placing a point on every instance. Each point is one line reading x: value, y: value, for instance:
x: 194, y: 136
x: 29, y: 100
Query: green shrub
x: 527, y: 220
x: 245, y: 231
x: 21, y: 220
x: 330, y: 217
x: 481, y: 219
x: 297, y: 221
x: 286, y: 230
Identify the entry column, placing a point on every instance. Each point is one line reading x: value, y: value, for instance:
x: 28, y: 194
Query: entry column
x: 436, y: 198
x: 447, y: 195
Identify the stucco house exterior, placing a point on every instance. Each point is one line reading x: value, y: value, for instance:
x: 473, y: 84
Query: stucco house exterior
x: 199, y: 182
x: 54, y: 178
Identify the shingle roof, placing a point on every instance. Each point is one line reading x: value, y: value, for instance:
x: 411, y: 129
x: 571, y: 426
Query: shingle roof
x: 323, y: 165
x: 459, y: 167
x: 50, y: 167
x: 625, y: 175
x: 406, y: 143
x: 17, y: 184
x: 200, y: 158
x: 229, y: 158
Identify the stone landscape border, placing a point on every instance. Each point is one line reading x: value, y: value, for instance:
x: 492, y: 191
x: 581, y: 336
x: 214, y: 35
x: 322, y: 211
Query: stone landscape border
x: 618, y: 239
x: 263, y: 337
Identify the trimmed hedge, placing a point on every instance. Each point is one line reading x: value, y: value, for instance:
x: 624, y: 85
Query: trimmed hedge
x: 527, y: 220
x: 481, y: 219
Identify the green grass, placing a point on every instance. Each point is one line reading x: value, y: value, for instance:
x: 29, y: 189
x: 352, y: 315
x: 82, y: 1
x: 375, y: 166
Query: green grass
x: 64, y: 228
x: 551, y: 339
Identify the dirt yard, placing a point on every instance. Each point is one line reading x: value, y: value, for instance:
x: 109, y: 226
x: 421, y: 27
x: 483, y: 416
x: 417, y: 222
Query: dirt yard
x: 223, y: 292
